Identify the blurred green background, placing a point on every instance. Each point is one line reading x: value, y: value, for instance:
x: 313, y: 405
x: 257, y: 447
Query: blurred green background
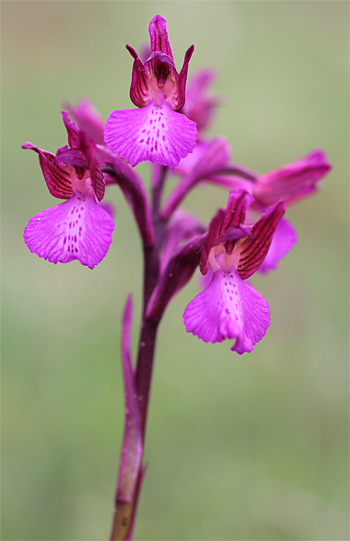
x: 251, y: 447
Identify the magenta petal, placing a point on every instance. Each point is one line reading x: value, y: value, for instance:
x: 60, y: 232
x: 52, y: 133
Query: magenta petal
x: 131, y: 454
x: 187, y: 164
x: 294, y: 181
x: 88, y: 148
x: 72, y: 130
x: 284, y: 239
x: 255, y: 248
x: 77, y: 229
x: 180, y: 90
x: 228, y: 308
x: 139, y: 89
x: 57, y: 177
x: 232, y: 217
x: 153, y: 133
x: 200, y: 103
x: 215, y: 314
x: 88, y: 119
x: 159, y: 36
x: 256, y: 318
x: 214, y: 156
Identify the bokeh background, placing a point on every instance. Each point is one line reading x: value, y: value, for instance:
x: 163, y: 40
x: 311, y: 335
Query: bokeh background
x: 251, y: 447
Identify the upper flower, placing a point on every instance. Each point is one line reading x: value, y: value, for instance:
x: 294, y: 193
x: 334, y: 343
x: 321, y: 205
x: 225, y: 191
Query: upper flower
x: 155, y: 132
x: 157, y: 78
x: 79, y: 228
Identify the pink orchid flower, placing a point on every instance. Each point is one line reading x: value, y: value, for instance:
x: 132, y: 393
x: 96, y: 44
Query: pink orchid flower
x: 156, y: 131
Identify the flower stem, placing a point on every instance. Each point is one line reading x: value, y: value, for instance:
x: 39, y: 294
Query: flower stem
x: 125, y: 511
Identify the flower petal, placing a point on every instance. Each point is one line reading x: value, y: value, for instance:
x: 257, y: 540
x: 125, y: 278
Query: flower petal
x: 180, y: 88
x: 255, y: 315
x: 77, y: 229
x: 159, y: 36
x: 294, y: 181
x: 255, y: 248
x: 72, y: 130
x: 215, y: 314
x: 139, y: 89
x: 229, y: 219
x: 153, y: 133
x: 57, y: 177
x: 200, y: 104
x: 283, y: 240
x: 88, y: 119
x: 88, y: 148
x: 215, y: 155
x: 228, y: 308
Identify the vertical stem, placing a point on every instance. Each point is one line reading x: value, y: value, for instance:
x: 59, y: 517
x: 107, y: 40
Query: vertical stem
x: 143, y: 375
x: 124, y: 513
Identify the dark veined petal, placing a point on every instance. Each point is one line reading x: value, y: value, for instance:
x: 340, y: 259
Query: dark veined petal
x: 229, y: 219
x: 236, y: 209
x: 139, y: 89
x: 213, y: 234
x: 77, y: 229
x: 180, y: 89
x: 283, y: 240
x: 255, y: 248
x: 157, y: 134
x: 159, y: 36
x: 88, y: 149
x: 57, y: 177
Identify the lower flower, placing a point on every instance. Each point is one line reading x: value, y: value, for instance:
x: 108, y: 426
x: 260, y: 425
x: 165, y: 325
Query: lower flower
x: 230, y: 308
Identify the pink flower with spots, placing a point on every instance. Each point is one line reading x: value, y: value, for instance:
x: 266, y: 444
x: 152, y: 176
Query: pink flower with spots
x: 230, y: 307
x: 79, y: 228
x: 156, y: 131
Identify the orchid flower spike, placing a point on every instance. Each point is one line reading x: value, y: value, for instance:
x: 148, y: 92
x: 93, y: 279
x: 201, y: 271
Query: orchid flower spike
x: 79, y: 228
x: 229, y: 307
x: 156, y: 131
